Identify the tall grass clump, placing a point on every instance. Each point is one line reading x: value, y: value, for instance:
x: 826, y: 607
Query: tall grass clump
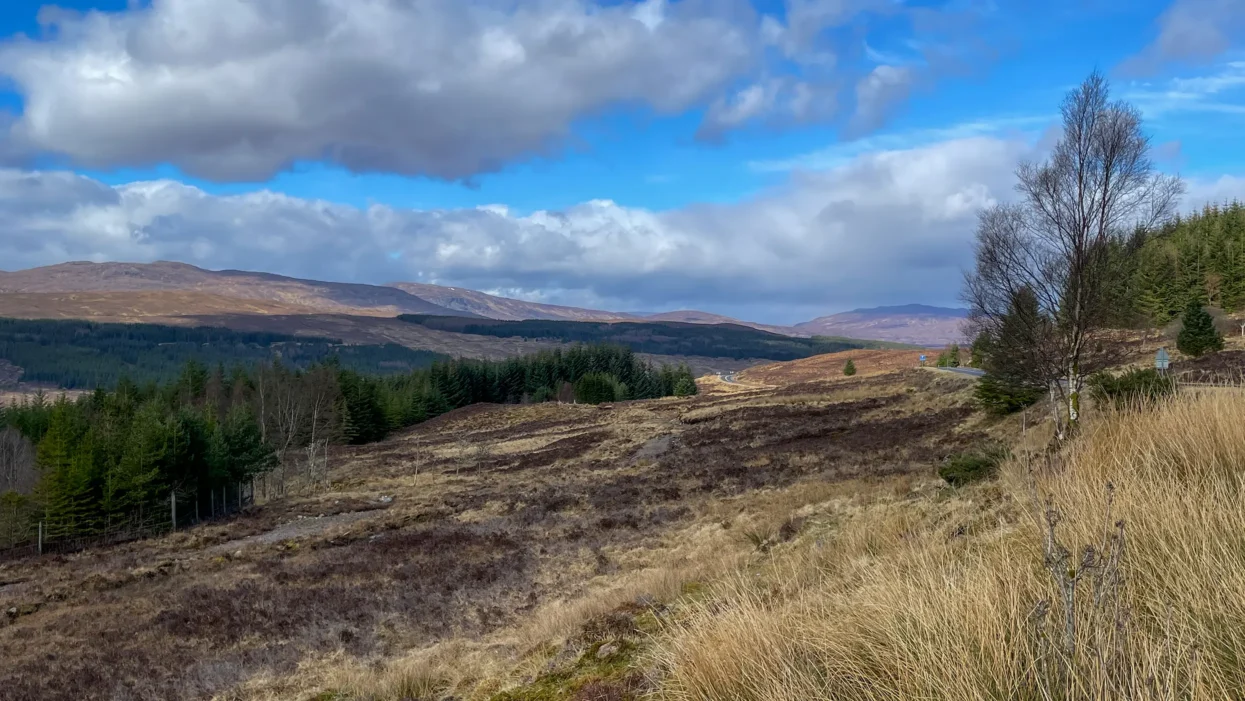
x: 1112, y: 570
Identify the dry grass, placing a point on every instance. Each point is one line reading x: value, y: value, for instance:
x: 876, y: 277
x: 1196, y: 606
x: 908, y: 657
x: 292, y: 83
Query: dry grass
x: 962, y: 595
x: 829, y: 367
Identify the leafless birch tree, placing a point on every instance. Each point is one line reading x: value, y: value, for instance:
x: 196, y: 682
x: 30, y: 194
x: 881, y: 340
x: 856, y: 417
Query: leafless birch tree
x: 1097, y: 185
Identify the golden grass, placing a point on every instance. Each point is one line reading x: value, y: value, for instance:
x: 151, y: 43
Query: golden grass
x: 949, y: 596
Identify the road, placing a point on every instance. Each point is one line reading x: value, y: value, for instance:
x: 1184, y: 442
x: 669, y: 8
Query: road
x: 971, y: 372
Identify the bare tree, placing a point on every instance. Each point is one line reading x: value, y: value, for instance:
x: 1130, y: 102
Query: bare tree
x: 1097, y: 185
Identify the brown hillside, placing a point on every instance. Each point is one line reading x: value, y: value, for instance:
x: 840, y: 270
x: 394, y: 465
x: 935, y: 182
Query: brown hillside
x: 503, y: 308
x: 829, y: 367
x: 331, y: 297
x: 691, y: 316
x: 472, y: 554
x: 916, y: 324
x: 134, y: 306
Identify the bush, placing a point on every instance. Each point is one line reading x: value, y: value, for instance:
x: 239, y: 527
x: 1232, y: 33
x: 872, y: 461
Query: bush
x: 1133, y: 388
x: 1198, y: 334
x: 686, y: 387
x: 849, y: 368
x: 966, y: 468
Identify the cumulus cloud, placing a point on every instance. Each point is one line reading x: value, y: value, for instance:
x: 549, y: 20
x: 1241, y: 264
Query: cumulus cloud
x: 1192, y: 31
x: 241, y: 89
x: 237, y: 90
x: 891, y: 226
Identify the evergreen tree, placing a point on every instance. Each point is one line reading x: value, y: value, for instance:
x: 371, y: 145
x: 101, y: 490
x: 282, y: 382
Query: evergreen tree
x: 1009, y: 384
x: 950, y: 358
x: 1198, y: 334
x: 849, y: 368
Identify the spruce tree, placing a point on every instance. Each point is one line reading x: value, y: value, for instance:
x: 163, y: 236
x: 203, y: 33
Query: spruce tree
x: 1198, y: 335
x: 849, y: 368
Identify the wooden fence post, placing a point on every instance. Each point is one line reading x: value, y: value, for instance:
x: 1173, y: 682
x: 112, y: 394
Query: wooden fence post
x: 173, y: 507
x: 41, y: 537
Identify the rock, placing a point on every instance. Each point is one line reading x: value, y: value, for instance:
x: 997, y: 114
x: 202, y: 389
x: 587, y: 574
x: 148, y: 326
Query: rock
x: 607, y: 650
x: 237, y: 554
x: 386, y: 499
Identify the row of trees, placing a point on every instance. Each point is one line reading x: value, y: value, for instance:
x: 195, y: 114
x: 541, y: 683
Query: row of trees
x: 1199, y: 258
x: 121, y: 456
x: 83, y: 354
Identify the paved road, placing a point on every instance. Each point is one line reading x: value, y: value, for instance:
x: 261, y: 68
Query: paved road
x: 729, y: 378
x: 972, y: 372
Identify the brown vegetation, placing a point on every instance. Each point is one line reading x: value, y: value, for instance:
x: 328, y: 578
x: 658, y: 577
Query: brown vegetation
x: 476, y: 552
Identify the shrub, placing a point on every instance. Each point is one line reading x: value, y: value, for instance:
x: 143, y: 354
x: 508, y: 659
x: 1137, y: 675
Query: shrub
x: 1133, y: 388
x: 1198, y: 334
x: 966, y: 468
x: 685, y: 387
x: 849, y: 368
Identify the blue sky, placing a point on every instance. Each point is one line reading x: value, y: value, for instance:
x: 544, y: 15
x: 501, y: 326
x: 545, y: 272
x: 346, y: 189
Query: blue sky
x: 652, y: 155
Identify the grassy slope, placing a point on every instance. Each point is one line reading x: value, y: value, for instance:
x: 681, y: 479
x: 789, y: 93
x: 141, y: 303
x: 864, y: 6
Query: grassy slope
x: 519, y: 541
x: 757, y: 542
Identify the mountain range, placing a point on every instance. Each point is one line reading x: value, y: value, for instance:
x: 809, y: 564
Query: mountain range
x: 166, y: 290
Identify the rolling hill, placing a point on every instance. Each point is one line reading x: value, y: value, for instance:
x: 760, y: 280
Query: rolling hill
x: 166, y: 276
x: 171, y: 292
x: 917, y: 324
x: 502, y: 308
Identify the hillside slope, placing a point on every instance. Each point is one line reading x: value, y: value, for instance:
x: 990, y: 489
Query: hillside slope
x: 502, y: 308
x: 490, y: 546
x: 331, y: 297
x: 912, y: 323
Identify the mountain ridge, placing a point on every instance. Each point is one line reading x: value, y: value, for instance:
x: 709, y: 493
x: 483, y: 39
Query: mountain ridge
x: 172, y: 289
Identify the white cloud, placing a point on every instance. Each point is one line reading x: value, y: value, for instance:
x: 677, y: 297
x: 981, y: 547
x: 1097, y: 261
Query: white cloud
x: 884, y: 227
x: 241, y: 89
x: 1192, y: 31
x: 1222, y: 91
x: 1012, y: 127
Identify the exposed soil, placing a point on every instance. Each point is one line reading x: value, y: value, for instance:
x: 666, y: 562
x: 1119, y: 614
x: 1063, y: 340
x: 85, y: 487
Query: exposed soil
x: 1226, y: 367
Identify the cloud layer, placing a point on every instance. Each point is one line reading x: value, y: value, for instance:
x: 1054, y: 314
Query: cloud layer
x: 237, y: 90
x: 889, y: 226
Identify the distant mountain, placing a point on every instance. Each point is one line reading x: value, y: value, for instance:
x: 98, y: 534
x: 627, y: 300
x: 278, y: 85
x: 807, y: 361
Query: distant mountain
x: 691, y: 316
x: 910, y: 323
x: 165, y: 291
x: 503, y: 308
x: 321, y: 297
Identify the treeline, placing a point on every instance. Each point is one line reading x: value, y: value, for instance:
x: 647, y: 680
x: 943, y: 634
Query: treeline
x: 118, y: 457
x: 85, y: 355
x: 1194, y: 259
x: 658, y: 338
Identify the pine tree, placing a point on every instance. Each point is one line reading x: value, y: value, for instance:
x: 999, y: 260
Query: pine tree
x: 849, y: 368
x: 1198, y: 334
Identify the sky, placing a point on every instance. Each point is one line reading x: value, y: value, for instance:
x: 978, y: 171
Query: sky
x: 773, y: 160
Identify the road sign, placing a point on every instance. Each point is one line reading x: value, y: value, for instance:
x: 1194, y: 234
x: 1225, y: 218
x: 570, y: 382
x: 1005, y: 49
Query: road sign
x: 922, y: 358
x: 1161, y: 359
